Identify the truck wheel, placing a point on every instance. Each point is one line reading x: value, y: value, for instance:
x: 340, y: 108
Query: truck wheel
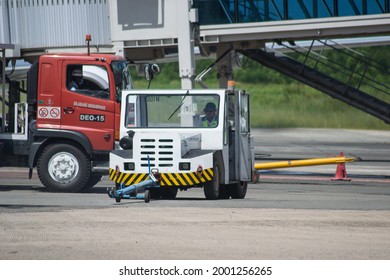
x: 93, y: 180
x: 211, y: 189
x: 238, y: 190
x: 63, y: 167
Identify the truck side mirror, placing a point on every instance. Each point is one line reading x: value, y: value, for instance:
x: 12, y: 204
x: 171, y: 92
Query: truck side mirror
x: 150, y: 70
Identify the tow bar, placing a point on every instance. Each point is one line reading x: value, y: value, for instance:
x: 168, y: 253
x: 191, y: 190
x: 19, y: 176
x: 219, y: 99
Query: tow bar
x: 136, y: 191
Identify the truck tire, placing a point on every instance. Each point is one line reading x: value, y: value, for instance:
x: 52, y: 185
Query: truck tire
x: 93, y: 180
x: 238, y: 190
x: 211, y: 189
x: 62, y: 167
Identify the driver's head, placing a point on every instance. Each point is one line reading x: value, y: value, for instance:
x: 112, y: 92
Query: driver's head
x: 210, y: 107
x: 210, y: 110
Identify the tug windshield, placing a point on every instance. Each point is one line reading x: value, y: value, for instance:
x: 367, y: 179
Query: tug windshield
x: 172, y: 111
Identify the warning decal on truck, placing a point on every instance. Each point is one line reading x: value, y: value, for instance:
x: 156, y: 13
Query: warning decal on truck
x: 47, y: 112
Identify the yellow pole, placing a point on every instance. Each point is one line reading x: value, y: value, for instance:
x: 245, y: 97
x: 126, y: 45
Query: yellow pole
x: 304, y: 162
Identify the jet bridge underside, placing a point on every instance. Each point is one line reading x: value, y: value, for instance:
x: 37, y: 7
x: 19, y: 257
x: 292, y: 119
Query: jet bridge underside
x: 320, y: 81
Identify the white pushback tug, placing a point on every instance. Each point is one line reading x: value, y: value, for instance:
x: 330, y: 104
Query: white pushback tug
x: 174, y: 136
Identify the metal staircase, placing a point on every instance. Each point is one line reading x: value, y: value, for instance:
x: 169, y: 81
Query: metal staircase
x: 349, y: 79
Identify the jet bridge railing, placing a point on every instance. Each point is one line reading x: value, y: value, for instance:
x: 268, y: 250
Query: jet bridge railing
x: 335, y: 75
x: 355, y: 70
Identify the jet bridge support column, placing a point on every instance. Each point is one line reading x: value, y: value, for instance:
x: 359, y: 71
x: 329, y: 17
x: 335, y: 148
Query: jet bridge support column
x: 186, y: 17
x: 2, y: 90
x: 3, y: 47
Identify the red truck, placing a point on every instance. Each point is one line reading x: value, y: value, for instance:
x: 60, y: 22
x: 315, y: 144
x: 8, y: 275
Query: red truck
x: 69, y: 121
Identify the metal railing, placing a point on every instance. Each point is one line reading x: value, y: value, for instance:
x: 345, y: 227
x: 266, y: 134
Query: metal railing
x: 351, y: 67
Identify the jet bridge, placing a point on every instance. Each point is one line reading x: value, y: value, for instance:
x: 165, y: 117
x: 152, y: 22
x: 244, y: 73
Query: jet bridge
x: 177, y: 26
x: 348, y: 80
x: 156, y: 29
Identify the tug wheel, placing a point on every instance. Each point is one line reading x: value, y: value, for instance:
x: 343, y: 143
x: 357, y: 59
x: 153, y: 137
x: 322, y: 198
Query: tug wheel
x: 238, y: 190
x: 155, y: 193
x: 168, y: 192
x: 211, y: 189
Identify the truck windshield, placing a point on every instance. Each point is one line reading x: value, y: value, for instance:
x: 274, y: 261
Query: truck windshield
x: 172, y: 111
x: 122, y: 77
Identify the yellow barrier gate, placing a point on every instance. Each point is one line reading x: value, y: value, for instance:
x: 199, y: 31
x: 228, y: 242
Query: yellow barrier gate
x: 304, y: 162
x: 340, y: 160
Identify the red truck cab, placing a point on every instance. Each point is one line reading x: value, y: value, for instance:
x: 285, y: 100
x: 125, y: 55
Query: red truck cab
x: 74, y: 111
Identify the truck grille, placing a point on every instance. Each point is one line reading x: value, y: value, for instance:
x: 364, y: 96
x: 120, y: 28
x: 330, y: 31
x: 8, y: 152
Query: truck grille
x: 159, y: 151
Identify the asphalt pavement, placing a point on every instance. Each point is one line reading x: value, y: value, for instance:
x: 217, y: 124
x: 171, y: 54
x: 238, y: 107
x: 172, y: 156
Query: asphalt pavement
x: 294, y: 213
x: 372, y: 147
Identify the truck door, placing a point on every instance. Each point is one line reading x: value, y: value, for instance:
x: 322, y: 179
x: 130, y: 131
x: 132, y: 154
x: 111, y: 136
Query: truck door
x: 87, y: 105
x: 244, y: 151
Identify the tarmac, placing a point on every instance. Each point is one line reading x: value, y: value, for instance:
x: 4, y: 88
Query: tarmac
x: 282, y: 217
x: 372, y: 147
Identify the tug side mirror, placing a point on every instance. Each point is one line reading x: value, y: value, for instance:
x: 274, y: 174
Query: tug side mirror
x: 126, y: 142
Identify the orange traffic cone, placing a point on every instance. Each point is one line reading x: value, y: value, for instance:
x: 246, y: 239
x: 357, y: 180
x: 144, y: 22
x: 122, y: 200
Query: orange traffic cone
x: 341, y: 172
